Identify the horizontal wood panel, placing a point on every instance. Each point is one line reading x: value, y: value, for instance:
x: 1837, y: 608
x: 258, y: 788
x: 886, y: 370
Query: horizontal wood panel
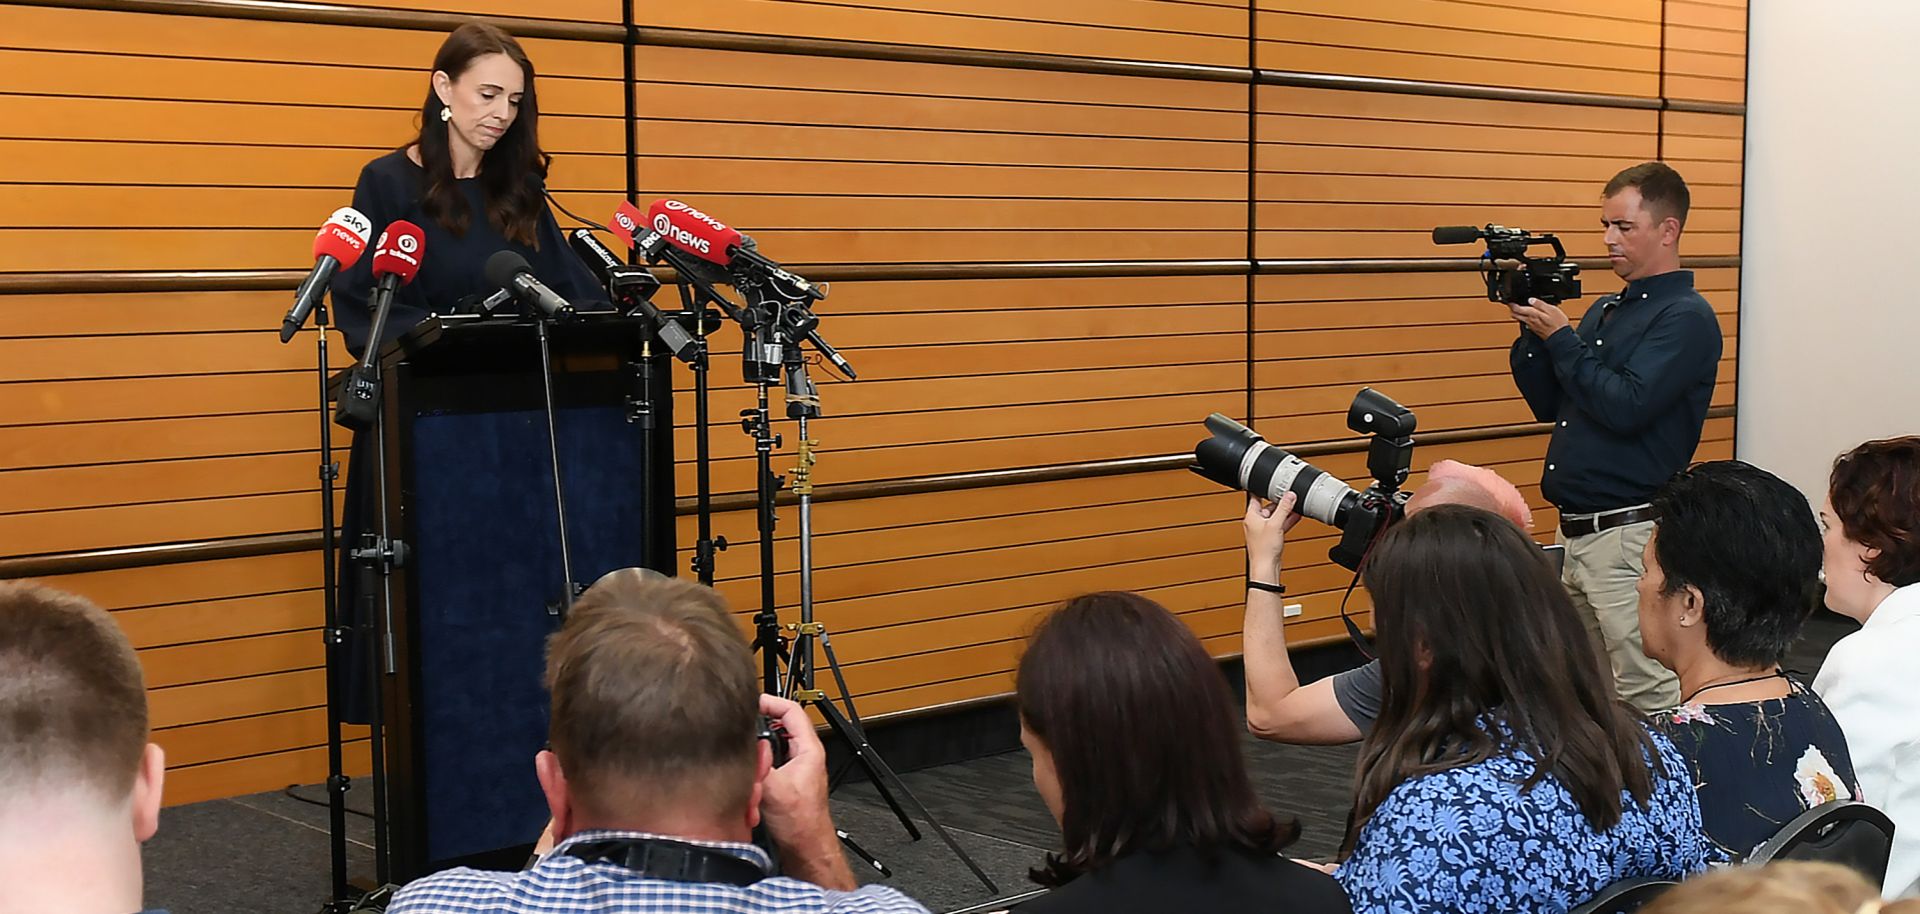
x: 1598, y: 48
x: 166, y: 121
x: 292, y: 689
x: 267, y: 734
x: 114, y: 163
x: 220, y: 144
x: 115, y: 32
x: 1125, y: 29
x: 258, y: 774
x: 285, y: 82
x: 188, y: 582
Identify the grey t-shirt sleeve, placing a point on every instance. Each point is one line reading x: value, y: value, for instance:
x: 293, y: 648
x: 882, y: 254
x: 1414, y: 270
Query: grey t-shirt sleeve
x: 1359, y: 693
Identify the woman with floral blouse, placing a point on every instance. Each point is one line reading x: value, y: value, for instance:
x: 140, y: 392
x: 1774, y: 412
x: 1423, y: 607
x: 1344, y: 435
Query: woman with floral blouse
x: 1732, y: 571
x: 1503, y: 774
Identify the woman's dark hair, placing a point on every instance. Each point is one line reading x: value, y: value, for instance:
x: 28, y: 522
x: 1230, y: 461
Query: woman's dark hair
x: 1750, y: 544
x: 512, y: 172
x: 1482, y: 653
x: 1143, y: 735
x: 1875, y: 490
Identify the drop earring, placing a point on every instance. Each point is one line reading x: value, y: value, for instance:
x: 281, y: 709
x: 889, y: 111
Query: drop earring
x: 446, y: 114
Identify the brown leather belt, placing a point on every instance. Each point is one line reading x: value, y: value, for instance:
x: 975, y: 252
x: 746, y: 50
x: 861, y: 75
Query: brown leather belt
x: 1572, y: 528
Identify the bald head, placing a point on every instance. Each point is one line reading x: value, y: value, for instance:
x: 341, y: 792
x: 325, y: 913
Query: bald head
x: 1450, y: 482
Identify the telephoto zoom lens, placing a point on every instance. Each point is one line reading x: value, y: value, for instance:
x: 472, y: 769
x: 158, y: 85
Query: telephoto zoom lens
x: 1237, y: 457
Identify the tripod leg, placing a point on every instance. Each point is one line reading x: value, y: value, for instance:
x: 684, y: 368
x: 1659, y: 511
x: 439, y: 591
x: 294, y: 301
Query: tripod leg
x: 857, y: 742
x: 877, y: 767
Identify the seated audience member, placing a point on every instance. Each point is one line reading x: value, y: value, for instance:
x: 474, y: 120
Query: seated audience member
x: 1339, y: 708
x: 656, y: 749
x: 79, y: 783
x: 1871, y: 525
x: 1503, y: 773
x: 1136, y: 752
x: 1732, y: 570
x: 1787, y: 887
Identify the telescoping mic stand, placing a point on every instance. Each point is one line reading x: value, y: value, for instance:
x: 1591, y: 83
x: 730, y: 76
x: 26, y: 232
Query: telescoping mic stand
x: 780, y: 319
x: 697, y: 291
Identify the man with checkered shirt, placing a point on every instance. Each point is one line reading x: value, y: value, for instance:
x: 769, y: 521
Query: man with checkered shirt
x: 657, y: 776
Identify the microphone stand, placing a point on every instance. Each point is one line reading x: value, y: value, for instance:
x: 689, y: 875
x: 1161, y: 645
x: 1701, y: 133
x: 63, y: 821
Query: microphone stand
x: 570, y: 588
x: 335, y: 637
x: 695, y: 294
x: 773, y: 349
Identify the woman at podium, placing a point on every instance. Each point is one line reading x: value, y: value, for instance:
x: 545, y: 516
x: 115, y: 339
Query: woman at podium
x: 473, y: 181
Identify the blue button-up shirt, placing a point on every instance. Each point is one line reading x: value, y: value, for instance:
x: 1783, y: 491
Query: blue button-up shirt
x: 563, y: 883
x: 1627, y: 392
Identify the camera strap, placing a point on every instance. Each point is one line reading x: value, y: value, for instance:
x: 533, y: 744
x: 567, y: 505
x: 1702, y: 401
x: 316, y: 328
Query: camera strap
x: 673, y: 861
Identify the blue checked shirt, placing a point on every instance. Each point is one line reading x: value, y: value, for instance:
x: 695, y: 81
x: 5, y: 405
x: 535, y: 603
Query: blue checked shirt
x: 561, y: 884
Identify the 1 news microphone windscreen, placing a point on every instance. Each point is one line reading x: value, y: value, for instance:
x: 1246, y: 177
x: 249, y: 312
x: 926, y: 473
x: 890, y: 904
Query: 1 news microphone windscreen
x: 693, y: 231
x: 1456, y: 234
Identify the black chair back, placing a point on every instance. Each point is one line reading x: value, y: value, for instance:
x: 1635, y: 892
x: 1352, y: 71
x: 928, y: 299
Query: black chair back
x: 1846, y: 832
x: 1624, y: 896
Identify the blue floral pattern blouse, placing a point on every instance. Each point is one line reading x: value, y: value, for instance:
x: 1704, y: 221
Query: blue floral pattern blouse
x: 1469, y: 840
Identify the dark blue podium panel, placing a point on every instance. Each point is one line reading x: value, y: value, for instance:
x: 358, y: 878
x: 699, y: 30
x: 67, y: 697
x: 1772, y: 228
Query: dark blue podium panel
x: 470, y: 492
x: 487, y: 571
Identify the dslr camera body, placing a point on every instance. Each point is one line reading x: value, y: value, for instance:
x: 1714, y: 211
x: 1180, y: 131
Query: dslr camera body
x: 1238, y: 458
x: 1513, y: 277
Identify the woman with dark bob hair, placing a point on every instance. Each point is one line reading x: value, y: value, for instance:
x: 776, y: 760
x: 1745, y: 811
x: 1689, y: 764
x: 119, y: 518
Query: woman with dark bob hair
x: 1504, y: 773
x: 1136, y: 752
x: 1871, y: 530
x: 1732, y: 571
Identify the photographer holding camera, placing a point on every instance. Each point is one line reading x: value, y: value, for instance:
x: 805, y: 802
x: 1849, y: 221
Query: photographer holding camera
x: 658, y: 773
x: 1627, y: 391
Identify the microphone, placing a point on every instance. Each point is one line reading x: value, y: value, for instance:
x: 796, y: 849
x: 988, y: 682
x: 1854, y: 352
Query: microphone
x: 626, y: 223
x: 709, y: 239
x: 396, y: 259
x: 632, y: 286
x: 338, y: 246
x: 1457, y: 234
x: 694, y: 232
x: 510, y: 271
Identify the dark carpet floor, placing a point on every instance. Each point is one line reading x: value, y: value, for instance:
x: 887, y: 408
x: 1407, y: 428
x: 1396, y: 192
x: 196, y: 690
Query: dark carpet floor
x: 268, y: 853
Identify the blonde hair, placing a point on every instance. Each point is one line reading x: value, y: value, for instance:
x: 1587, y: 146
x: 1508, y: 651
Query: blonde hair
x: 1788, y: 887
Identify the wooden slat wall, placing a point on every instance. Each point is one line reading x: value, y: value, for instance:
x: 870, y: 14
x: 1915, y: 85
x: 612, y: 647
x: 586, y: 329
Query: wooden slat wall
x: 133, y: 141
x: 137, y: 141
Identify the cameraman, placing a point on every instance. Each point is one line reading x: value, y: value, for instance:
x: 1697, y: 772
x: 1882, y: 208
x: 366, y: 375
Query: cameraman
x: 1627, y: 392
x: 657, y: 776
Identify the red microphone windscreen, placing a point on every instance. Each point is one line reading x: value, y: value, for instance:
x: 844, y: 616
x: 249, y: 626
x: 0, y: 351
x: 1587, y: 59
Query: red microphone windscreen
x: 625, y: 223
x: 693, y: 231
x: 344, y: 237
x: 399, y: 251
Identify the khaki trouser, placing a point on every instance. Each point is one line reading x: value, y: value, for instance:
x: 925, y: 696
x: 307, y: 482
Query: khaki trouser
x: 1600, y: 574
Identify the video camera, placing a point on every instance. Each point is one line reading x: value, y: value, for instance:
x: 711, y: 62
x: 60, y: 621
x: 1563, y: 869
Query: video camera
x: 1238, y: 458
x: 1511, y: 276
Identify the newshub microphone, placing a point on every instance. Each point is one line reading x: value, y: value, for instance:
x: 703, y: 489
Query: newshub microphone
x: 396, y: 260
x: 338, y: 247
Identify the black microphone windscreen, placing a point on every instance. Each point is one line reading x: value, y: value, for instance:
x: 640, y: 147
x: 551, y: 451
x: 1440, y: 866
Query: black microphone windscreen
x: 1456, y: 234
x: 503, y: 266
